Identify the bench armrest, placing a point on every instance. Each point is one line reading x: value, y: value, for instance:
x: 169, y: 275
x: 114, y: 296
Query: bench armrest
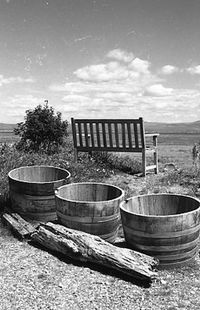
x: 151, y: 134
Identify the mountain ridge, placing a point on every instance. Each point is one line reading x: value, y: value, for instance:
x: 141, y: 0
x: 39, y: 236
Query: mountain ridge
x: 159, y: 127
x: 5, y: 126
x: 186, y: 128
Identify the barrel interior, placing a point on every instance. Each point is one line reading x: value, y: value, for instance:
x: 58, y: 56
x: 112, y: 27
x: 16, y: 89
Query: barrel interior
x: 38, y: 174
x: 89, y: 192
x: 161, y: 205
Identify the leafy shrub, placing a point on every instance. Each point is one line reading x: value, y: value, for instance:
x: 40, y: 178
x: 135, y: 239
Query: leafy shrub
x: 42, y: 131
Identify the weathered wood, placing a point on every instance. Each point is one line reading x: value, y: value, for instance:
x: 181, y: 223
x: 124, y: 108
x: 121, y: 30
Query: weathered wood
x: 90, y: 207
x: 32, y: 190
x: 166, y: 226
x: 84, y: 247
x: 18, y: 225
x: 114, y: 135
x: 110, y: 135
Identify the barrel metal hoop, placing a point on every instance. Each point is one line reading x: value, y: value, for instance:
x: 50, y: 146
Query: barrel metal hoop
x: 162, y: 235
x: 182, y: 256
x: 167, y: 248
x: 88, y: 219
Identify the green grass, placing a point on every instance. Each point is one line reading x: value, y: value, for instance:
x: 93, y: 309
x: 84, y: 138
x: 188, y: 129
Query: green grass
x: 8, y: 137
x: 178, y: 139
x: 102, y: 165
x: 181, y: 155
x: 86, y: 169
x: 174, y: 289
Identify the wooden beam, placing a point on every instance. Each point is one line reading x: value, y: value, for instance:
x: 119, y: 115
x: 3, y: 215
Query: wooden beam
x: 21, y: 228
x: 90, y: 248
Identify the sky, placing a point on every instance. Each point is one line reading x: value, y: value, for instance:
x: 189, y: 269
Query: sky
x: 101, y: 58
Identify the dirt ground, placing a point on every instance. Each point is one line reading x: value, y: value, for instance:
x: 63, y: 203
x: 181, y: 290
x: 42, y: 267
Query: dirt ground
x: 32, y: 278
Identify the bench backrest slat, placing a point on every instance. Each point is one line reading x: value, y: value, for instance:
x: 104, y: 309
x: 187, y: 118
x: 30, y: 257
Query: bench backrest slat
x: 116, y: 133
x: 129, y: 135
x: 123, y: 135
x: 104, y: 134
x: 80, y: 134
x: 86, y: 135
x: 92, y: 134
x: 136, y: 135
x: 98, y: 135
x: 108, y: 134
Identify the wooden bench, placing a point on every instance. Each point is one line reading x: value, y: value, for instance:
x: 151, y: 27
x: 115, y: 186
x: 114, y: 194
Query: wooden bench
x: 115, y: 135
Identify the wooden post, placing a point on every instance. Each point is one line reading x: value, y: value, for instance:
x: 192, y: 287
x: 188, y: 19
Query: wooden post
x: 155, y: 154
x: 144, y: 162
x: 143, y: 141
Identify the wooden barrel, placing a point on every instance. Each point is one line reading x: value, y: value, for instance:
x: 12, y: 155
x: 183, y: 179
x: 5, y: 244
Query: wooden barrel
x: 32, y: 191
x: 165, y: 226
x: 90, y: 207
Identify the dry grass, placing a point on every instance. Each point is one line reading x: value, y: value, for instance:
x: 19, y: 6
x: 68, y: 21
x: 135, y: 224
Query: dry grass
x: 181, y: 155
x: 34, y: 279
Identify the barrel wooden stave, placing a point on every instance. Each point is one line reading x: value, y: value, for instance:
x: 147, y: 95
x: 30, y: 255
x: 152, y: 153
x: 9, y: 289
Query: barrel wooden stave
x: 34, y: 180
x: 90, y: 207
x: 174, y: 238
x: 32, y: 191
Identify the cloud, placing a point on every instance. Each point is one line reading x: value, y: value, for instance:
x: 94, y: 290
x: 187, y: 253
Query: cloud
x: 23, y: 101
x: 75, y: 98
x: 120, y: 55
x: 102, y: 72
x: 125, y: 86
x: 158, y: 90
x: 83, y: 38
x: 169, y: 69
x: 15, y: 107
x: 92, y: 88
x: 140, y: 65
x: 194, y: 70
x: 18, y: 79
x: 136, y: 71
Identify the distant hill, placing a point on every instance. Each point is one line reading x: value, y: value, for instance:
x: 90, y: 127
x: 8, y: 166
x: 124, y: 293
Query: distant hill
x: 4, y: 126
x: 167, y: 128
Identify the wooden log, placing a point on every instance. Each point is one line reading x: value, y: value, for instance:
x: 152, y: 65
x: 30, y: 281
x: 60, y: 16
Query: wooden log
x: 18, y: 225
x: 85, y: 247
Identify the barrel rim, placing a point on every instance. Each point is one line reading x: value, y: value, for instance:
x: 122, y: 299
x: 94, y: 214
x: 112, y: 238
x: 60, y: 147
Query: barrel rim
x: 159, y: 216
x: 39, y: 166
x: 88, y: 183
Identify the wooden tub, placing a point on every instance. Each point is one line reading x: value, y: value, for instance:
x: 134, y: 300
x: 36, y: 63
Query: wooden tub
x: 90, y: 207
x: 165, y: 226
x: 32, y: 191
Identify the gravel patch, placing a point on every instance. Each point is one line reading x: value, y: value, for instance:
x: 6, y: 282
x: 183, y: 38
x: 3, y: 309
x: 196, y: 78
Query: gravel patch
x: 34, y: 279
